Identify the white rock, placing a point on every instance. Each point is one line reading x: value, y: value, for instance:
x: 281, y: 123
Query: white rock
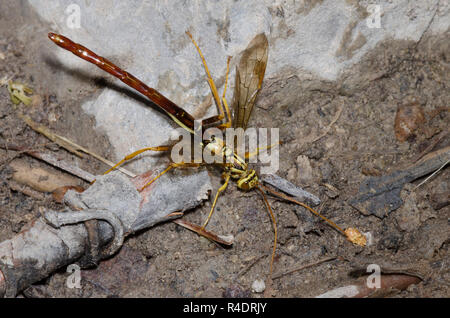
x: 258, y: 286
x: 369, y: 238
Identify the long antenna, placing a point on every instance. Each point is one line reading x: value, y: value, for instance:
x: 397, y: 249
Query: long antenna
x: 352, y: 234
x: 274, y: 222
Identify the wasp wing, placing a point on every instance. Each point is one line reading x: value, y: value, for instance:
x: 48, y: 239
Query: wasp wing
x: 249, y: 77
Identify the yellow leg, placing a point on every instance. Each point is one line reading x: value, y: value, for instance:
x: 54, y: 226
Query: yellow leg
x: 213, y: 86
x: 170, y: 167
x: 227, y: 109
x: 222, y: 188
x: 224, y: 101
x: 134, y: 154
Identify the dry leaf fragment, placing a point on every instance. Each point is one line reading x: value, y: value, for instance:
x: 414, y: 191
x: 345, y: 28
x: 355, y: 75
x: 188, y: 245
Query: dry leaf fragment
x: 18, y: 93
x: 408, y: 119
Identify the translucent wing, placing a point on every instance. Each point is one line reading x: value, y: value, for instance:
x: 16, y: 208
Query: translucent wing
x: 249, y: 77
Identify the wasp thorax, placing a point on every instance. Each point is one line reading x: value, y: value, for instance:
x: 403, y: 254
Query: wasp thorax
x: 228, y: 152
x: 248, y: 180
x: 215, y: 146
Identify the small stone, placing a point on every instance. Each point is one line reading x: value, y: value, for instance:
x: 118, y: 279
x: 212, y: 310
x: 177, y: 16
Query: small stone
x: 369, y: 238
x: 258, y: 286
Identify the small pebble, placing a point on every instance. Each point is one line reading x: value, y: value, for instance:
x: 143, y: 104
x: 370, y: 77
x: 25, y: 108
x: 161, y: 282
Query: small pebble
x: 258, y: 286
x: 369, y: 238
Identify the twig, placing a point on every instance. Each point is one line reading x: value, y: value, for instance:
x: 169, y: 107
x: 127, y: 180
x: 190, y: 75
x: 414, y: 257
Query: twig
x: 61, y: 141
x: 380, y: 196
x: 298, y: 268
x: 429, y: 177
x: 291, y: 189
x: 26, y: 190
x: 431, y: 146
x: 41, y: 249
x: 69, y: 145
x: 221, y: 239
x: 50, y: 159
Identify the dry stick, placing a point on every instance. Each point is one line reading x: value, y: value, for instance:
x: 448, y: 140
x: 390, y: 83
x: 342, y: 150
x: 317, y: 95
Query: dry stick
x: 298, y: 268
x: 50, y: 159
x: 39, y: 178
x: 68, y: 144
x: 431, y: 176
x: 26, y: 190
x: 389, y: 284
x: 289, y: 188
x: 285, y: 197
x: 43, y: 248
x: 431, y: 146
x: 222, y: 239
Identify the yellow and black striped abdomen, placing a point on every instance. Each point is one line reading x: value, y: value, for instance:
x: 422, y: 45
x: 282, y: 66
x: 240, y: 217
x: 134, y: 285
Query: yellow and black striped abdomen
x: 248, y: 180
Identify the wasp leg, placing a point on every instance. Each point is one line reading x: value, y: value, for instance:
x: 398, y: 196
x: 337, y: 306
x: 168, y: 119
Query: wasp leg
x: 134, y: 154
x: 170, y: 167
x: 221, y: 189
x: 223, y: 106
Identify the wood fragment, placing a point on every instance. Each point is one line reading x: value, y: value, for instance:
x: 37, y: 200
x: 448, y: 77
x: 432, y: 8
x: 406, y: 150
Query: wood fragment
x: 25, y: 190
x: 69, y: 145
x: 431, y: 146
x: 38, y: 178
x: 61, y: 141
x: 221, y: 239
x: 40, y: 249
x: 291, y: 189
x: 381, y: 195
x: 431, y: 176
x: 389, y: 284
x: 52, y: 160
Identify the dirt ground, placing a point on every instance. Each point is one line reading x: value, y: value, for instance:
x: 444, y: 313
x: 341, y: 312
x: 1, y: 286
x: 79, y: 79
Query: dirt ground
x: 168, y: 261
